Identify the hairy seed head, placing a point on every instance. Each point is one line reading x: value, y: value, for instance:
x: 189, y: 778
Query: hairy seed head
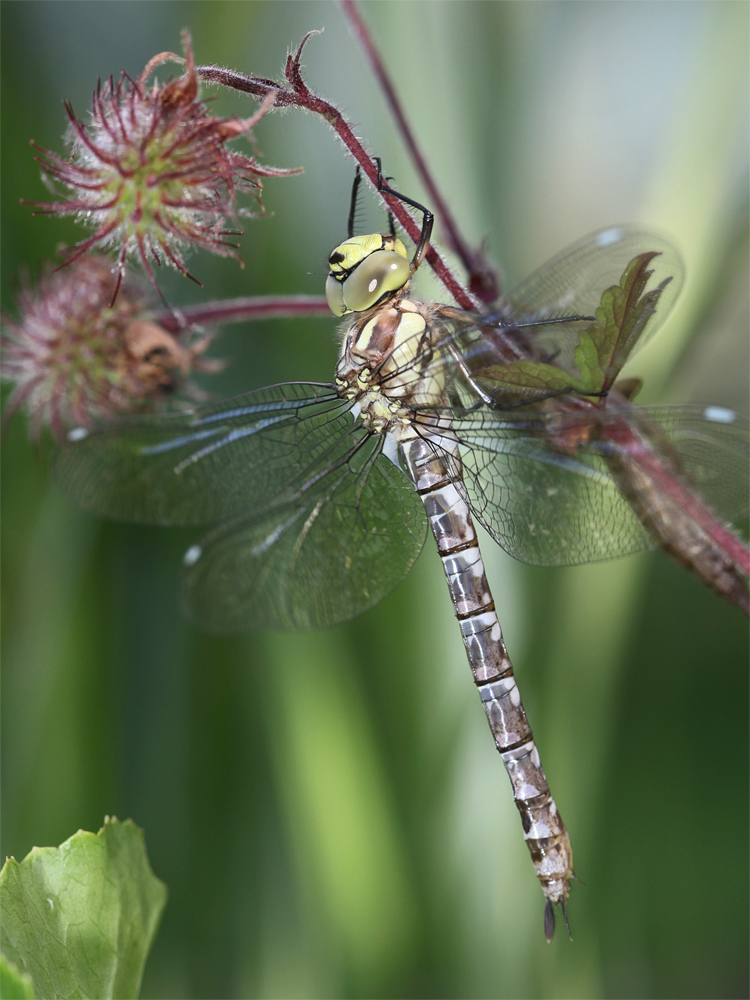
x: 151, y: 172
x: 74, y: 357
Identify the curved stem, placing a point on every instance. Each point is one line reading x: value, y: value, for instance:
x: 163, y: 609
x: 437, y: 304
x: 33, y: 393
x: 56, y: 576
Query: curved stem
x: 300, y: 96
x: 245, y: 309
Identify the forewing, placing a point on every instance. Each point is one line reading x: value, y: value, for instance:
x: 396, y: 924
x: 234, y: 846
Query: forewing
x: 569, y: 328
x: 441, y: 369
x: 573, y: 281
x: 623, y: 280
x: 210, y: 464
x: 333, y: 552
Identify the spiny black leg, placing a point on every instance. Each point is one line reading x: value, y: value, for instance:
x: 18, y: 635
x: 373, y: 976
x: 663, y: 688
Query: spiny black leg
x: 353, y: 203
x: 427, y: 217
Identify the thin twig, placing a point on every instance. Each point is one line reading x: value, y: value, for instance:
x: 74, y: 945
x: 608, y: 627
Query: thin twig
x: 245, y: 309
x: 299, y: 95
x: 483, y: 280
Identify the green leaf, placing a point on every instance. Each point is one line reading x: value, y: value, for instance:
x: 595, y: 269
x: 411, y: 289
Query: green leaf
x: 80, y: 918
x: 14, y: 984
x: 529, y: 375
x: 605, y: 345
x: 588, y: 358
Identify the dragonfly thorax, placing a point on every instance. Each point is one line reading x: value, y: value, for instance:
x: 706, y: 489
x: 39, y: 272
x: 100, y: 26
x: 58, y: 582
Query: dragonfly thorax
x: 383, y: 364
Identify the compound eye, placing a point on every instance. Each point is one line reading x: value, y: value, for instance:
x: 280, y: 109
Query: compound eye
x: 382, y: 271
x: 335, y: 296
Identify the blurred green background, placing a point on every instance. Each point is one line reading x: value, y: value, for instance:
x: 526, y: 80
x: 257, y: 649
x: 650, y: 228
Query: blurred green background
x: 327, y: 809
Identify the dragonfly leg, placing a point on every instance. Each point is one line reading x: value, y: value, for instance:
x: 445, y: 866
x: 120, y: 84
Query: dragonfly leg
x: 451, y: 524
x: 353, y: 204
x: 427, y: 217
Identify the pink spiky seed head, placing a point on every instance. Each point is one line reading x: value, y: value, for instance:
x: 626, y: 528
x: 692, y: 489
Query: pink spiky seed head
x: 76, y: 357
x: 151, y: 172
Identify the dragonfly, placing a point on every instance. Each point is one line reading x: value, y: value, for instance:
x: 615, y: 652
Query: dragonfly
x: 319, y: 496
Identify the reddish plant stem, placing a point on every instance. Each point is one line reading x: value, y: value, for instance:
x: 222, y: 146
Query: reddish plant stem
x: 639, y: 451
x: 246, y: 309
x: 483, y: 281
x: 683, y: 498
x: 300, y: 96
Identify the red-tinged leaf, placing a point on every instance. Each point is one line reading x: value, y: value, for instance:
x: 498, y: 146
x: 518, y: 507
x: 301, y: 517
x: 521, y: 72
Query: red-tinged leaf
x: 625, y: 309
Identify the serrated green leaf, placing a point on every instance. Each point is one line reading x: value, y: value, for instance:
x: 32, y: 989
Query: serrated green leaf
x: 530, y: 375
x: 80, y: 918
x: 588, y: 361
x: 605, y: 345
x: 14, y: 984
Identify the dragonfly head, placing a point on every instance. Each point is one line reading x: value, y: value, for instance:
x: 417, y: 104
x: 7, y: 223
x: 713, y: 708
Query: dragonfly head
x: 365, y: 270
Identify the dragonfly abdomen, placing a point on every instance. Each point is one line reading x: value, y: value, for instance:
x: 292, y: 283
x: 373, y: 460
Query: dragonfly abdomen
x: 453, y: 529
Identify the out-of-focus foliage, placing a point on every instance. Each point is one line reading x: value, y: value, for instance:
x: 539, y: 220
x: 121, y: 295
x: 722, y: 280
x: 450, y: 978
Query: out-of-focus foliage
x: 83, y: 351
x: 327, y: 808
x: 14, y: 984
x: 80, y: 918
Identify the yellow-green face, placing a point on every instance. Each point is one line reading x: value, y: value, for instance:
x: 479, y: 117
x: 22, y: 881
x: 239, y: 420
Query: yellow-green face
x: 363, y: 270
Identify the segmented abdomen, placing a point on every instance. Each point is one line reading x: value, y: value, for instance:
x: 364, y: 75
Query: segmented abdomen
x: 457, y: 544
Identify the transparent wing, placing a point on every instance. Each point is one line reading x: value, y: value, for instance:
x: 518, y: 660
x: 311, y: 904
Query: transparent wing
x: 573, y: 281
x: 210, y: 464
x: 320, y: 558
x: 547, y: 496
x: 713, y: 447
x: 439, y: 370
x: 541, y: 505
x: 568, y: 328
x: 532, y: 321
